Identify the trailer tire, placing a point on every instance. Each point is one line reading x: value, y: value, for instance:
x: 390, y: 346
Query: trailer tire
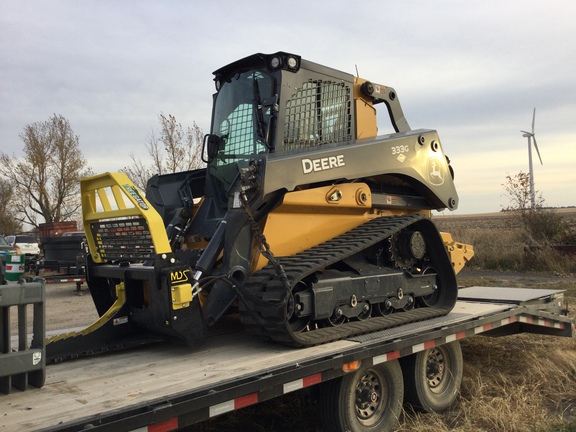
x: 432, y: 377
x: 367, y: 400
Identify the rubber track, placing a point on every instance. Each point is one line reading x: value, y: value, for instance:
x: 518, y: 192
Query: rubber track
x: 270, y: 322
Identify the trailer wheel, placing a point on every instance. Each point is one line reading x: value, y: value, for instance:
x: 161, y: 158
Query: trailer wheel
x: 432, y: 377
x: 367, y: 400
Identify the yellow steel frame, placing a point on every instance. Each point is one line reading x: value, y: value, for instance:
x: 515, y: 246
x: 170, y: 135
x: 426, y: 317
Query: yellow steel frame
x: 366, y: 122
x: 309, y: 217
x: 112, y: 196
x: 460, y: 253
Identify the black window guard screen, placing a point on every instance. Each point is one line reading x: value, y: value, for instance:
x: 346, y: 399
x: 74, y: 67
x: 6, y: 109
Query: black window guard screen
x: 318, y: 113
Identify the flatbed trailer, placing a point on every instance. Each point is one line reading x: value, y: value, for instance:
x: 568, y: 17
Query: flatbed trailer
x: 65, y: 278
x: 65, y: 272
x: 164, y: 386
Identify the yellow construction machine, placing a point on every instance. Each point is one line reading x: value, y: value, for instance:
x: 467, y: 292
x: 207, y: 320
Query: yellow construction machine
x: 305, y: 222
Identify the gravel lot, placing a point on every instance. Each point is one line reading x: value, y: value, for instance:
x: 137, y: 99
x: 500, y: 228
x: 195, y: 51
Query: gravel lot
x: 65, y: 308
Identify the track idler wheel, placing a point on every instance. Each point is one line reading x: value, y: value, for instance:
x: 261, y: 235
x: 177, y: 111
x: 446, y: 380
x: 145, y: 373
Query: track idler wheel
x: 432, y: 299
x: 384, y: 308
x: 337, y: 318
x: 297, y: 318
x: 366, y: 312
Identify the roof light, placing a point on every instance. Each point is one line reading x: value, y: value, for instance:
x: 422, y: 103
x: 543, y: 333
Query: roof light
x: 292, y: 62
x: 275, y: 62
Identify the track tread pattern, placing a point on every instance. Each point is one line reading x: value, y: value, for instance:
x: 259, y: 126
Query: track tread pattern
x: 269, y: 320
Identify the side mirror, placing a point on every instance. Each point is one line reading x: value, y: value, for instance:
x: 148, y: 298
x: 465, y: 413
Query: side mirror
x: 211, y: 146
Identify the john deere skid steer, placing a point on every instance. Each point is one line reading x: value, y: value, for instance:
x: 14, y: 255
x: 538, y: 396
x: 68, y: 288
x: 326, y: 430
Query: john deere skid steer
x: 305, y: 222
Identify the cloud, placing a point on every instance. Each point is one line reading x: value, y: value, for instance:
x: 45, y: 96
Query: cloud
x: 471, y: 70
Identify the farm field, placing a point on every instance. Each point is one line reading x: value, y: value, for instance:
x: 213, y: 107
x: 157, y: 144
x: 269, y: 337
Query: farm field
x: 502, y: 242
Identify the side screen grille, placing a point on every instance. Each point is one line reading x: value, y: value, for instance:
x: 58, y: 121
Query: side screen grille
x: 240, y: 132
x: 123, y: 240
x: 318, y: 113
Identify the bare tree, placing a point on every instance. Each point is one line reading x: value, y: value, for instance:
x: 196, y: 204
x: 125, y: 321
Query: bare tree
x: 172, y: 150
x: 517, y: 188
x: 541, y: 224
x: 9, y: 223
x: 46, y: 180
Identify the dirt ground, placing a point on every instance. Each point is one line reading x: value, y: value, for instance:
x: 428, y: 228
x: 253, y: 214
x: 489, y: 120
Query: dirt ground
x: 513, y: 279
x: 65, y: 308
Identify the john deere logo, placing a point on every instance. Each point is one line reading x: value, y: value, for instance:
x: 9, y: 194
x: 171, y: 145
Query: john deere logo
x: 435, y: 172
x: 322, y: 164
x: 134, y: 194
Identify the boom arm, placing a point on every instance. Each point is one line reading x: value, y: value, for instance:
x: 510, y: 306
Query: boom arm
x: 380, y: 93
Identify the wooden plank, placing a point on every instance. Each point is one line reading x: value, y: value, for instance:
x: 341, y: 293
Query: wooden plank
x: 93, y: 385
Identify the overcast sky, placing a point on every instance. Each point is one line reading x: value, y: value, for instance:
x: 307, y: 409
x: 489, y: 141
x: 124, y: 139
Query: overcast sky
x: 473, y: 70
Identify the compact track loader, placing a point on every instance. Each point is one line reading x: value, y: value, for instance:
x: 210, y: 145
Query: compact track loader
x: 305, y: 221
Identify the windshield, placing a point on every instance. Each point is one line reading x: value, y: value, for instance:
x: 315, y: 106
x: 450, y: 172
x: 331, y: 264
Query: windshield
x: 242, y: 115
x: 3, y: 242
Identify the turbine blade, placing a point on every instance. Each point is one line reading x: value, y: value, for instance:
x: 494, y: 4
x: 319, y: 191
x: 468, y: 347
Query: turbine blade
x: 527, y: 133
x: 533, y: 119
x: 537, y: 151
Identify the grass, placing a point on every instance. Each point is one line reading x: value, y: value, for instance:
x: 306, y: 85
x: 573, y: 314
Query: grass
x: 524, y: 384
x: 502, y: 243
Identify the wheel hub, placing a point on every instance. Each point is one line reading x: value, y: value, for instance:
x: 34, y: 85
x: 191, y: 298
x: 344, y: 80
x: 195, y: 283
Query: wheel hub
x: 368, y: 397
x: 435, y: 368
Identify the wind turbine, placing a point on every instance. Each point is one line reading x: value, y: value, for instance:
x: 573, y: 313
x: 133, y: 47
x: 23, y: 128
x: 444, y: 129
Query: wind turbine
x: 531, y: 136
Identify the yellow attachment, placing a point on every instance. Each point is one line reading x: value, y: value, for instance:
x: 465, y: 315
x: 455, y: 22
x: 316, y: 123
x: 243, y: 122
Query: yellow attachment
x: 460, y: 253
x: 120, y: 300
x: 366, y: 122
x: 112, y: 196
